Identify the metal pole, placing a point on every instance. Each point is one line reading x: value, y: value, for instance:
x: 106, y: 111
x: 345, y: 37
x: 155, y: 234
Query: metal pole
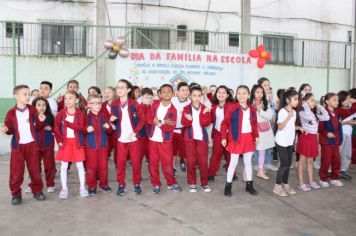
x: 353, y: 67
x: 328, y: 68
x: 14, y: 54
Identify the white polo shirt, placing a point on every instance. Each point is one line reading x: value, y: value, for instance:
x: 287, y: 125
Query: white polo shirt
x: 23, y: 124
x: 161, y: 113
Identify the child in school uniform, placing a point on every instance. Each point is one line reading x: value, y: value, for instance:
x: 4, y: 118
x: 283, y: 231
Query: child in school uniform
x: 110, y: 96
x: 221, y: 100
x: 45, y: 140
x: 179, y: 102
x: 239, y: 135
x: 73, y: 86
x: 161, y: 120
x: 97, y: 127
x: 20, y: 122
x: 69, y: 127
x: 195, y: 119
x: 128, y: 119
x: 145, y: 102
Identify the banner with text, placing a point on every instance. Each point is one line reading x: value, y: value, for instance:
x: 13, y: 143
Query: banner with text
x: 152, y: 68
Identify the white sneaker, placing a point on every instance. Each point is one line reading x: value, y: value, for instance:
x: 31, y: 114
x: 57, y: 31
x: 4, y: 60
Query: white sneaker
x: 207, y: 189
x: 324, y: 184
x: 63, y: 194
x: 316, y: 165
x: 271, y: 167
x: 193, y: 188
x: 28, y: 190
x: 83, y: 192
x: 336, y: 182
x: 51, y: 189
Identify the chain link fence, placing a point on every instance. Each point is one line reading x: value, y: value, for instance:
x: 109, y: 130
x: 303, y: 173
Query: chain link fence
x: 58, y: 52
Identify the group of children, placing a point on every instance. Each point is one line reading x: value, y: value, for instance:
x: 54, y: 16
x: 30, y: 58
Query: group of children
x: 162, y: 125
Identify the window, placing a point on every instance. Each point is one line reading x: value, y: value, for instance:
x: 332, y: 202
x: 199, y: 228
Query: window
x: 234, y: 39
x: 150, y: 37
x: 18, y: 30
x: 201, y: 37
x: 281, y: 48
x: 63, y: 40
x: 181, y: 31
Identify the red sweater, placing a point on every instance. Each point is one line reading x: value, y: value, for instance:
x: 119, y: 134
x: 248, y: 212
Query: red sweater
x: 215, y: 132
x: 60, y: 127
x: 98, y: 139
x: 167, y: 130
x: 231, y: 126
x: 45, y: 138
x: 12, y: 125
x: 204, y: 120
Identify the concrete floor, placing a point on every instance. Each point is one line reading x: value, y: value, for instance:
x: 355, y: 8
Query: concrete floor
x: 321, y: 212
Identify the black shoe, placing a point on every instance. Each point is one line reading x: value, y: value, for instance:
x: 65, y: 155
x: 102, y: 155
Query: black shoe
x: 16, y: 200
x: 211, y: 178
x: 345, y: 175
x: 137, y: 189
x: 39, y: 197
x: 183, y: 168
x: 106, y: 189
x: 92, y: 192
x: 249, y: 188
x: 121, y: 191
x: 235, y: 178
x: 227, y: 191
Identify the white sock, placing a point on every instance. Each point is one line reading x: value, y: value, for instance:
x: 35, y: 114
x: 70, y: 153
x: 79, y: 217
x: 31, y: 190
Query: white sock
x: 64, y: 168
x: 232, y: 166
x: 81, y: 173
x: 248, y: 165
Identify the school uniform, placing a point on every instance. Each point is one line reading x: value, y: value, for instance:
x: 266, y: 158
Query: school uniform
x: 178, y: 142
x: 196, y: 141
x: 68, y: 130
x: 160, y: 141
x: 330, y: 147
x: 96, y: 148
x: 60, y: 103
x: 24, y: 149
x: 217, y: 114
x: 143, y: 139
x: 111, y: 137
x: 45, y: 141
x: 130, y: 119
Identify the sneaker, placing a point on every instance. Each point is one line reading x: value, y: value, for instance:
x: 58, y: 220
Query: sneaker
x: 39, y: 197
x: 63, y: 194
x: 156, y: 190
x: 137, y: 189
x: 316, y: 165
x: 271, y: 167
x: 288, y: 189
x: 183, y: 168
x: 106, y: 189
x: 175, y: 172
x: 193, y: 188
x: 345, y: 175
x: 279, y: 190
x: 304, y: 188
x: 324, y: 184
x: 16, y: 200
x: 336, y: 183
x: 28, y: 189
x: 206, y: 188
x: 314, y: 185
x: 211, y: 178
x: 83, y: 192
x: 121, y: 191
x: 51, y: 189
x: 92, y: 192
x: 174, y: 187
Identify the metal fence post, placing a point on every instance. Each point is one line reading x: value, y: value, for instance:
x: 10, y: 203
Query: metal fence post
x: 13, y: 26
x: 328, y: 68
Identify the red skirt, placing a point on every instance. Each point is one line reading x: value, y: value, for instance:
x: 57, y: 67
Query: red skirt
x: 244, y: 144
x: 308, y: 145
x: 71, y: 152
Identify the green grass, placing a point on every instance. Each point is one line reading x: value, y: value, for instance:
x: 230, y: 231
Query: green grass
x: 5, y: 105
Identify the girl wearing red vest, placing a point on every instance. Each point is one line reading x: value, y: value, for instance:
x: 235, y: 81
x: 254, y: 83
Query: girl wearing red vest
x: 239, y: 134
x: 68, y: 131
x: 194, y: 119
x: 146, y: 100
x: 96, y: 131
x: 221, y: 101
x: 330, y: 138
x: 73, y: 86
x: 161, y: 120
x: 128, y: 119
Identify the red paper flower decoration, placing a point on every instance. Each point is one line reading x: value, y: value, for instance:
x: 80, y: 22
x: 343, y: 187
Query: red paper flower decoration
x: 261, y: 54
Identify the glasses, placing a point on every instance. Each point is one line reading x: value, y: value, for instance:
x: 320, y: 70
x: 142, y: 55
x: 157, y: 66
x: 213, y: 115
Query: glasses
x: 95, y: 103
x: 121, y: 87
